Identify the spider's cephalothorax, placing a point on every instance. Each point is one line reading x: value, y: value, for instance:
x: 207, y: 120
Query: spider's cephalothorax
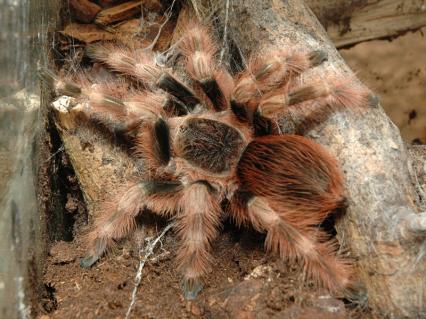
x: 219, y: 141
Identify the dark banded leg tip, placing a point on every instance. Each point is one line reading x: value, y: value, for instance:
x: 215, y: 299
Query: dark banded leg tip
x: 191, y: 288
x: 88, y: 261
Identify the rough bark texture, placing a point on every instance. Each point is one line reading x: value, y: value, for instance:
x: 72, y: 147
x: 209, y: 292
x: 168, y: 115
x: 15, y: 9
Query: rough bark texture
x: 352, y: 21
x: 99, y: 164
x: 382, y: 200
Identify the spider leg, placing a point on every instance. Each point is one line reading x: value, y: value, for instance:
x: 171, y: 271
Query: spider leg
x: 199, y: 49
x: 141, y: 66
x: 320, y: 98
x: 118, y: 215
x: 104, y: 102
x: 268, y: 72
x: 289, y: 185
x: 298, y: 241
x: 197, y: 225
x: 152, y: 143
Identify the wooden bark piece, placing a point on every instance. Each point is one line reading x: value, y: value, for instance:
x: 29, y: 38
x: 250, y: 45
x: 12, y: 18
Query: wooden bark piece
x: 119, y: 13
x: 125, y: 11
x: 86, y: 33
x: 352, y: 21
x: 369, y: 147
x: 84, y: 10
x: 99, y: 164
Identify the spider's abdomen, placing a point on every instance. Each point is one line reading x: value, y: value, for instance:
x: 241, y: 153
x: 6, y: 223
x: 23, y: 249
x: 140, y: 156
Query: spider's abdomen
x: 293, y: 171
x: 209, y: 144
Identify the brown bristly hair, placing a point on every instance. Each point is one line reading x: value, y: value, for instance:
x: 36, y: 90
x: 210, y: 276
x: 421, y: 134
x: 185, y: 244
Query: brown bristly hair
x: 115, y: 217
x: 102, y: 101
x: 147, y: 147
x: 197, y: 38
x: 149, y: 104
x: 197, y: 224
x: 138, y: 64
x: 199, y: 49
x: 273, y: 69
x: 337, y: 95
x: 295, y: 171
x: 300, y: 243
x: 296, y: 184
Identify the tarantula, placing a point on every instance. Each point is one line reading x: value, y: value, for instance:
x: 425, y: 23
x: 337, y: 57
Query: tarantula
x: 216, y: 146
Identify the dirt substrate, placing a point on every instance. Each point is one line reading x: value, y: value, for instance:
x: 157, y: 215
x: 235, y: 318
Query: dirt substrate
x: 244, y: 283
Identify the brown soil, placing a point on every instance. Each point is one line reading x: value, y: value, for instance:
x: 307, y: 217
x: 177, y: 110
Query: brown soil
x: 105, y: 290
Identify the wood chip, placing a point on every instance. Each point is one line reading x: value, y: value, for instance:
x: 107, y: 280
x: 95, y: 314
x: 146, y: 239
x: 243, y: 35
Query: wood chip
x: 86, y: 33
x: 119, y: 13
x: 125, y: 11
x: 83, y: 10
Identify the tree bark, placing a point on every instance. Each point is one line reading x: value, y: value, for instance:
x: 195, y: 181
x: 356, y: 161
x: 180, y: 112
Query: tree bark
x: 352, y: 21
x: 382, y: 228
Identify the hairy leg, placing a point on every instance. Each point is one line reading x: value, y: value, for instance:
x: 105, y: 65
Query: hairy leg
x: 311, y: 104
x: 110, y: 102
x: 200, y: 49
x: 141, y: 67
x: 117, y: 218
x: 297, y: 242
x: 197, y: 225
x: 269, y: 72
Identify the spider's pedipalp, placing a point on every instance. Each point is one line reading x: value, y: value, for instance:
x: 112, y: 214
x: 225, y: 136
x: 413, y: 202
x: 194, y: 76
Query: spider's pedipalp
x: 197, y: 225
x: 152, y: 143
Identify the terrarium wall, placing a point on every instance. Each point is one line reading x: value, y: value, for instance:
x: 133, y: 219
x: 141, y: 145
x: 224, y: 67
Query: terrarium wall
x: 24, y: 29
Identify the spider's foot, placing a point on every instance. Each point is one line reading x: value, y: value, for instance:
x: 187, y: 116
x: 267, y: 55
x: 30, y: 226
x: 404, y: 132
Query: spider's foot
x: 317, y: 57
x: 64, y: 104
x: 373, y: 100
x: 89, y: 261
x: 191, y: 288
